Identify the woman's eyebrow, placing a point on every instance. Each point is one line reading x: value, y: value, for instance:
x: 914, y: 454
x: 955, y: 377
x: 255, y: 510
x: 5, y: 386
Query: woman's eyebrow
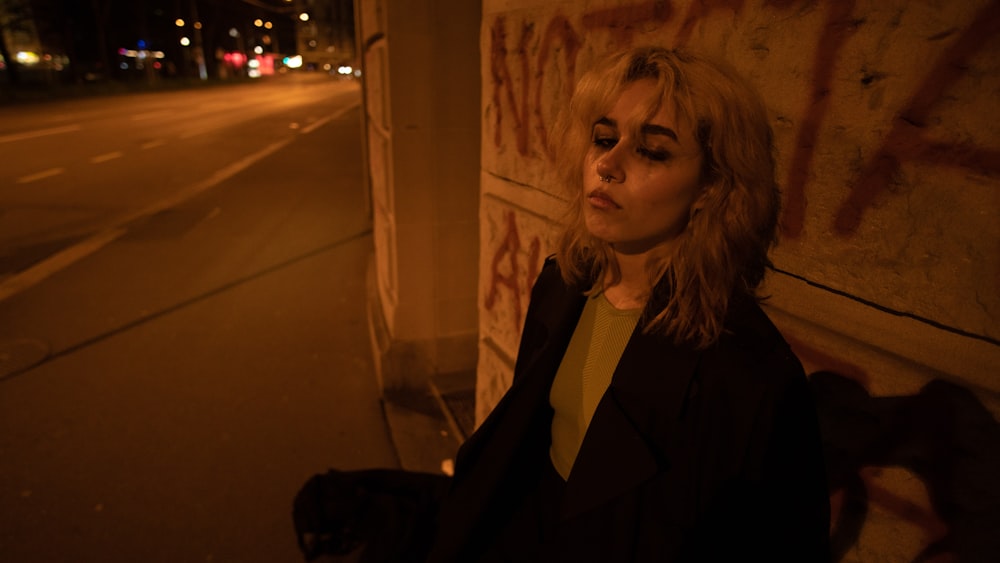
x: 646, y: 129
x: 651, y: 129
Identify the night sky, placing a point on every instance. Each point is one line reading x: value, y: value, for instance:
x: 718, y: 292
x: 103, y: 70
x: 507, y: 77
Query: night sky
x: 75, y: 28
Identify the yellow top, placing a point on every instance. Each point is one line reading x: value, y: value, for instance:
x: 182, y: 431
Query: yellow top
x: 585, y: 374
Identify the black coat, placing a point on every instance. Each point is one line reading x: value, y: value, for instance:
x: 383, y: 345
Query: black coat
x: 690, y: 456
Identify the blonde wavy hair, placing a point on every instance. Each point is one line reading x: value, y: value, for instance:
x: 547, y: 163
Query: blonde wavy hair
x: 733, y: 224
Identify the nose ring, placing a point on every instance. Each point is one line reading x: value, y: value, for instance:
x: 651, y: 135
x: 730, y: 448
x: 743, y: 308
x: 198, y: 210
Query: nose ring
x: 606, y: 179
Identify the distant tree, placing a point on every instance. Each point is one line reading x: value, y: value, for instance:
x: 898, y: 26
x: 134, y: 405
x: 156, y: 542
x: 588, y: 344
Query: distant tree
x: 14, y: 17
x: 54, y: 24
x: 102, y: 15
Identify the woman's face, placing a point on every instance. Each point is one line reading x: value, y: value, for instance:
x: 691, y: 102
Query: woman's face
x: 654, y: 168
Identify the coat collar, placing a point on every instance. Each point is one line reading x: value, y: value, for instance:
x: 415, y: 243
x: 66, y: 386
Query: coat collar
x: 556, y: 309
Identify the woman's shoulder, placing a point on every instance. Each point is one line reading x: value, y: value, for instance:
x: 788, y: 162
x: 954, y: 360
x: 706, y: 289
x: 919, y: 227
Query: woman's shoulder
x: 550, y: 278
x: 550, y: 269
x: 751, y: 344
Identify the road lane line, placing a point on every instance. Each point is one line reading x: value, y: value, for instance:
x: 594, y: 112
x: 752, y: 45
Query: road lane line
x: 40, y: 175
x: 336, y: 115
x: 153, y: 144
x: 218, y: 177
x: 66, y: 257
x: 38, y: 133
x: 151, y: 114
x: 106, y: 157
x: 58, y: 261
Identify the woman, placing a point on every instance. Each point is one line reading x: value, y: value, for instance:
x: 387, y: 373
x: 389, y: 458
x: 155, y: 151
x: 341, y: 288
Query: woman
x: 655, y: 414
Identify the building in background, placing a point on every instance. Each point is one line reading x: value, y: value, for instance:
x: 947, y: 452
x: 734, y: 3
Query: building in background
x: 23, y: 54
x: 325, y: 34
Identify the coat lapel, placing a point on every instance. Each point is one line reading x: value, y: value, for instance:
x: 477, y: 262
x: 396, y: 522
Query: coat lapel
x: 552, y: 317
x: 491, y: 462
x: 629, y: 437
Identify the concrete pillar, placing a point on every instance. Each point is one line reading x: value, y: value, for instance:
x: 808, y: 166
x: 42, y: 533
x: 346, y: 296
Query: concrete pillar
x: 422, y: 105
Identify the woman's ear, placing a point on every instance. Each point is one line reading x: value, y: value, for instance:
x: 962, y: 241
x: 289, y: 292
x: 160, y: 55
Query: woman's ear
x: 700, y: 200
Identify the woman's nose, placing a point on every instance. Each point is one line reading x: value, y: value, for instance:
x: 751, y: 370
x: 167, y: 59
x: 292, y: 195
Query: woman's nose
x: 609, y: 165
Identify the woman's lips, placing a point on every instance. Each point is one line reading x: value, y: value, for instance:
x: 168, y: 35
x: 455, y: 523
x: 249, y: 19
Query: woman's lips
x: 601, y: 200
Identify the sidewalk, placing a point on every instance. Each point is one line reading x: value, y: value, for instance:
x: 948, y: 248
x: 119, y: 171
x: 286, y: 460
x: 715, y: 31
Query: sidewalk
x: 164, y: 399
x: 427, y: 426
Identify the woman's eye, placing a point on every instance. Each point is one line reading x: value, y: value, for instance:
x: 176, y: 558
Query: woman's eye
x: 605, y: 142
x: 653, y: 154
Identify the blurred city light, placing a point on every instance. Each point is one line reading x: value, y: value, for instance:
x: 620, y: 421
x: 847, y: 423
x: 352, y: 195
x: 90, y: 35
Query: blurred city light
x: 27, y: 57
x: 308, y: 28
x: 235, y: 58
x: 140, y: 54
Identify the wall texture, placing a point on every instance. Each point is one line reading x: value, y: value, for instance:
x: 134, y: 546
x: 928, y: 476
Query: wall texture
x: 887, y: 279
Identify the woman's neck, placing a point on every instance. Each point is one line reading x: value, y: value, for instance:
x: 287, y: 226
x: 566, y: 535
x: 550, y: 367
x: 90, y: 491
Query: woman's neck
x: 632, y: 290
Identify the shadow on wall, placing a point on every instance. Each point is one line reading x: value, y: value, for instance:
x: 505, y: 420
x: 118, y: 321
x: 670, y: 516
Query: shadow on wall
x: 943, y: 435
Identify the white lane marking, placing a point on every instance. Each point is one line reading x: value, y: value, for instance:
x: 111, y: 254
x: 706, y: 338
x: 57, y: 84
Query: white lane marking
x: 58, y: 261
x: 151, y: 114
x: 336, y: 115
x: 28, y: 278
x: 106, y: 157
x: 39, y: 133
x: 153, y: 144
x: 40, y: 175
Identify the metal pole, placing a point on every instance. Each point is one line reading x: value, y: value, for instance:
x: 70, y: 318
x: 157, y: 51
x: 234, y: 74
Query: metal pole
x: 199, y: 49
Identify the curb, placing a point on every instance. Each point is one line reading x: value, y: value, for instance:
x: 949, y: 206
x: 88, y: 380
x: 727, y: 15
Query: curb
x: 424, y: 431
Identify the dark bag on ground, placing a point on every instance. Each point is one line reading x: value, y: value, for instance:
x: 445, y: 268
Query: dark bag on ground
x: 388, y: 514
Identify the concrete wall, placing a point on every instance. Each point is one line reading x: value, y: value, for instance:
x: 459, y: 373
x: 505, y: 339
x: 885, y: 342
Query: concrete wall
x: 421, y: 69
x: 888, y: 271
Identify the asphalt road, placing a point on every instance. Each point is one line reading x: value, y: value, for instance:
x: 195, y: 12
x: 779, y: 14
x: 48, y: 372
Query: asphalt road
x: 182, y: 321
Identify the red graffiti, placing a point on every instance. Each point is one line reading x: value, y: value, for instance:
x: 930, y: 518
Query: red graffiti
x: 559, y: 29
x: 624, y: 21
x: 502, y: 79
x: 700, y: 10
x: 904, y: 142
x: 838, y: 27
x: 510, y: 247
